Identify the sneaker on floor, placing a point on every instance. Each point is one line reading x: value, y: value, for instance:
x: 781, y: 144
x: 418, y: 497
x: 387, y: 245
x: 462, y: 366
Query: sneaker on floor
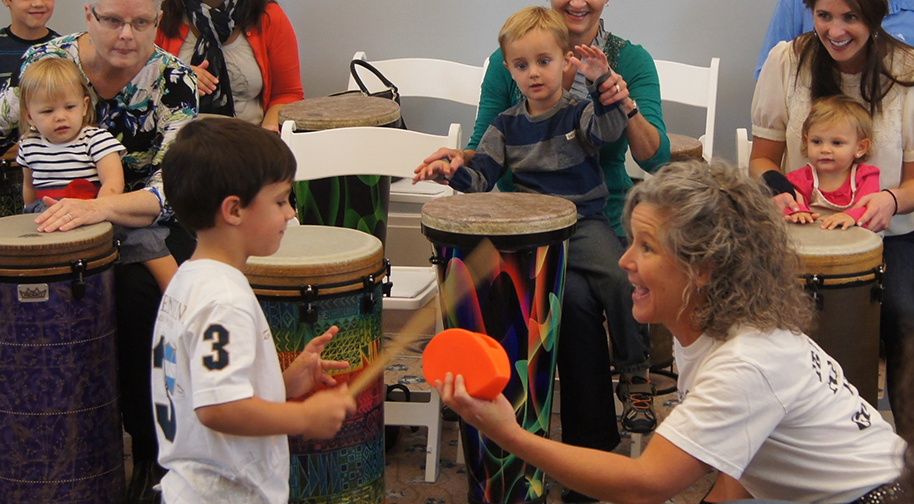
x: 637, y: 398
x: 146, y: 475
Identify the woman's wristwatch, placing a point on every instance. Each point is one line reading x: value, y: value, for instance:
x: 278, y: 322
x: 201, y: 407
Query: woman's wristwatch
x: 634, y: 110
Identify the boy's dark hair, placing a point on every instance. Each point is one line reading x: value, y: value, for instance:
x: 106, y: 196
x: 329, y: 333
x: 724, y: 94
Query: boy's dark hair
x: 214, y: 158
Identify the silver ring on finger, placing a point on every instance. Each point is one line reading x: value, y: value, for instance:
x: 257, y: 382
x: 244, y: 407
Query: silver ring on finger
x: 618, y: 88
x: 69, y: 217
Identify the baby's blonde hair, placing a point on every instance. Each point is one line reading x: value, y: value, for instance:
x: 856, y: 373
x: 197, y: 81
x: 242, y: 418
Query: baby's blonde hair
x: 53, y: 78
x: 528, y: 19
x: 831, y: 110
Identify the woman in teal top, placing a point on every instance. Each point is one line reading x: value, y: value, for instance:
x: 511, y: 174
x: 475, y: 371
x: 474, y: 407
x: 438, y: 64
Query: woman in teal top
x: 587, y: 406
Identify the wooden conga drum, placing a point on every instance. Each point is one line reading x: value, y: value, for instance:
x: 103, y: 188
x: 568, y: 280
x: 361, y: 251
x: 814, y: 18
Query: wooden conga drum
x: 11, y: 202
x: 519, y: 304
x: 842, y: 271
x: 323, y: 276
x: 357, y: 201
x: 62, y: 439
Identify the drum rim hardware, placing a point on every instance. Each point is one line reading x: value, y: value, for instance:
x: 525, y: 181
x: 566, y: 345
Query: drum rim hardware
x: 815, y: 282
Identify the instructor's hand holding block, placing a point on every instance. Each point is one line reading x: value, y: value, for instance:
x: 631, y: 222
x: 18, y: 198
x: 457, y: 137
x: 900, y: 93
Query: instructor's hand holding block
x: 479, y: 358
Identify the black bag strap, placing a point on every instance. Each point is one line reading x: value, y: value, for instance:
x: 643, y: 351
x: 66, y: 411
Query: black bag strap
x: 384, y: 80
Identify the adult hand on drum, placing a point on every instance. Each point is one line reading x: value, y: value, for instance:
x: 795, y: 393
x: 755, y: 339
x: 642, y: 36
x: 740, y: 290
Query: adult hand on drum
x: 206, y: 82
x: 496, y: 418
x: 308, y: 369
x: 880, y: 207
x: 68, y: 213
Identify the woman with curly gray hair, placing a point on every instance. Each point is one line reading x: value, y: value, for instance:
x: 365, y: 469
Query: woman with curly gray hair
x: 761, y: 402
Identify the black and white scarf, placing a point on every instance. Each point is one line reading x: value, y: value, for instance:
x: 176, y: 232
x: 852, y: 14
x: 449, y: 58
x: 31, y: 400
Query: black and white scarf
x: 215, y: 25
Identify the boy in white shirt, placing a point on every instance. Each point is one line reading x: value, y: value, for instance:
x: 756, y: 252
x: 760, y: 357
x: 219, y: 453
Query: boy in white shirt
x: 219, y: 396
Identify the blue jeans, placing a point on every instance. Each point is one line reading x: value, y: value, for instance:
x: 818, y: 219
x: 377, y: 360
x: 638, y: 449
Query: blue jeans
x: 594, y: 285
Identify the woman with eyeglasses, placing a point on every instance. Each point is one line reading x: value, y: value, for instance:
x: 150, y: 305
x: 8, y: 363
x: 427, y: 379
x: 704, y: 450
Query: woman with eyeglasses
x: 244, y: 53
x: 142, y: 96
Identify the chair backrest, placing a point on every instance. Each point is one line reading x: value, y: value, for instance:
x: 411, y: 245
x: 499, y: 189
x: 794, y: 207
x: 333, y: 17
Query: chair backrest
x: 743, y: 149
x: 695, y: 86
x: 363, y: 150
x: 424, y: 77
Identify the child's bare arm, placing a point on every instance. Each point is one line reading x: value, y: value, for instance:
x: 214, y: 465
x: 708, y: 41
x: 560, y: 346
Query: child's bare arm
x: 319, y: 416
x: 594, y: 63
x: 28, y: 190
x: 111, y: 175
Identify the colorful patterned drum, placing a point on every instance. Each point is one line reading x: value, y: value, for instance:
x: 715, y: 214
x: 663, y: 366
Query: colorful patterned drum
x: 358, y: 201
x: 62, y: 439
x: 843, y: 270
x: 324, y: 276
x: 10, y: 185
x: 519, y: 304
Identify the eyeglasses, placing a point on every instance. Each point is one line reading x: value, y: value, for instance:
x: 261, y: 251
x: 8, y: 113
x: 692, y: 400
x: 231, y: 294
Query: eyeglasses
x: 117, y: 24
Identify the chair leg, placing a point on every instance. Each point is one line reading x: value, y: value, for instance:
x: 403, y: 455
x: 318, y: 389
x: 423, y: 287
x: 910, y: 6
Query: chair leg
x: 434, y: 438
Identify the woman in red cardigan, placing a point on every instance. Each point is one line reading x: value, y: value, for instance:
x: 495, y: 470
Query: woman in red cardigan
x: 244, y: 53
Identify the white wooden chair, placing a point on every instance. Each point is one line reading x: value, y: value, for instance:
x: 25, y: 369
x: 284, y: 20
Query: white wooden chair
x: 423, y: 78
x: 391, y: 152
x: 691, y: 85
x: 743, y: 149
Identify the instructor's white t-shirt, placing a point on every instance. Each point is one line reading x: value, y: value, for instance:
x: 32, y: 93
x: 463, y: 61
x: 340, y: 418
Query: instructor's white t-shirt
x: 774, y: 411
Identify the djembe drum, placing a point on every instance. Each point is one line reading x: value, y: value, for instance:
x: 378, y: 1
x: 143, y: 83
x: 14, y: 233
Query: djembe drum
x: 519, y: 304
x: 62, y: 439
x: 842, y: 271
x: 356, y: 201
x: 323, y: 276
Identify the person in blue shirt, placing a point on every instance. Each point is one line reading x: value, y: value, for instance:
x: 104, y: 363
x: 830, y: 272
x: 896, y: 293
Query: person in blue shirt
x: 791, y: 18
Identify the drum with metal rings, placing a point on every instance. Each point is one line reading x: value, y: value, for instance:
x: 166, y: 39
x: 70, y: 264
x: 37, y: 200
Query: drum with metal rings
x: 59, y: 409
x: 355, y: 201
x: 519, y: 304
x: 323, y: 276
x: 842, y: 271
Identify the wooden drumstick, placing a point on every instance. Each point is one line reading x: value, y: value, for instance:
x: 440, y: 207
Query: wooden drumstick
x: 478, y: 261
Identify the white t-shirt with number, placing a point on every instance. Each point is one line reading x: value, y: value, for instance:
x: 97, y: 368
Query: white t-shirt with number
x: 774, y: 411
x: 212, y: 345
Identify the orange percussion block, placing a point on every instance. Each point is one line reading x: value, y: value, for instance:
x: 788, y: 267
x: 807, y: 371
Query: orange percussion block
x: 479, y: 358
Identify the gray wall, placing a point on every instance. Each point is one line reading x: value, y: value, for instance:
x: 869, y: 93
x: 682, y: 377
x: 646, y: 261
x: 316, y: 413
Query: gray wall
x: 689, y: 31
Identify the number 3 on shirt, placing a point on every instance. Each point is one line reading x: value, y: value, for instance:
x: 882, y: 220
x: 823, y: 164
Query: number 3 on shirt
x: 219, y: 337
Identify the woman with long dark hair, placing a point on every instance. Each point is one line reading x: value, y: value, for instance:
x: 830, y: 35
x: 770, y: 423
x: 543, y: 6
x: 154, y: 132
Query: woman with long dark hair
x: 244, y: 53
x: 850, y: 53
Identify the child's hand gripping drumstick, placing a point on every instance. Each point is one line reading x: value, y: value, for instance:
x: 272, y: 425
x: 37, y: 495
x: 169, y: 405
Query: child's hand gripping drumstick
x: 479, y: 263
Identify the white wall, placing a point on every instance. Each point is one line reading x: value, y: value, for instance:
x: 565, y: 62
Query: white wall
x: 690, y: 31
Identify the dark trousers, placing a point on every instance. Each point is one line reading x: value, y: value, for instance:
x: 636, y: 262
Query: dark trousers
x: 594, y: 285
x: 138, y: 298
x: 897, y: 318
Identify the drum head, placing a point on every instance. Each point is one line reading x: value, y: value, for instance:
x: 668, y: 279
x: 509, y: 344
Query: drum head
x: 344, y: 111
x: 21, y: 245
x: 318, y: 255
x: 835, y: 252
x: 521, y: 219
